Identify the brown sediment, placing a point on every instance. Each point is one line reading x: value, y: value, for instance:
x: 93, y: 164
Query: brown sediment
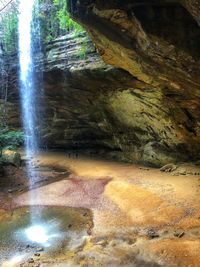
x: 136, y: 213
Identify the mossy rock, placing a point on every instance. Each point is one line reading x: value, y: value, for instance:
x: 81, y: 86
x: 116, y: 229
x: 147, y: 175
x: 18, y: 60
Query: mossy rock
x: 11, y: 157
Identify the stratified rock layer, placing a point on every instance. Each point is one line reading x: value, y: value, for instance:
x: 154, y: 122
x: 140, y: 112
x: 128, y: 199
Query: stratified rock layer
x: 157, y: 43
x: 149, y: 112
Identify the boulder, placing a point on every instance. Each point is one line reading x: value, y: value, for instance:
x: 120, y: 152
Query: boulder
x: 11, y: 157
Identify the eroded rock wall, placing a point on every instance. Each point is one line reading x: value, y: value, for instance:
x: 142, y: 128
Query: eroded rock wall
x: 157, y: 43
x: 139, y: 114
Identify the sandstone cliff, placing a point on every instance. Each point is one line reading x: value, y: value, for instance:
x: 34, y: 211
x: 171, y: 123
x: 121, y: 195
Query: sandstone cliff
x: 142, y: 107
x: 157, y: 42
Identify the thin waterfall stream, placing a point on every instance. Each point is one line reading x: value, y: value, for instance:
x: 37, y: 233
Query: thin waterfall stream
x: 40, y: 230
x: 29, y: 109
x: 28, y: 88
x: 27, y: 82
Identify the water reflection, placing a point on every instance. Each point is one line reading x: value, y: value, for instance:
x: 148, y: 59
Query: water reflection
x: 44, y: 233
x: 55, y: 231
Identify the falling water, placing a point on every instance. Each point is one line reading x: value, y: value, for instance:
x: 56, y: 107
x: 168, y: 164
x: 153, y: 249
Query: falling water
x: 27, y: 83
x: 39, y: 229
x: 28, y: 87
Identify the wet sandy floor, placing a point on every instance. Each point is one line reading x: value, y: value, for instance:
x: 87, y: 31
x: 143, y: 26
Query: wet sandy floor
x: 140, y: 217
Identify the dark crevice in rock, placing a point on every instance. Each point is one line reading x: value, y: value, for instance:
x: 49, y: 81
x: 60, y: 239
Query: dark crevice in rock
x: 175, y: 25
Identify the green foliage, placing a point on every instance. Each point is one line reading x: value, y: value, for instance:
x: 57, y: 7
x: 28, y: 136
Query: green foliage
x: 11, y: 139
x: 46, y: 17
x: 54, y: 21
x: 65, y: 22
x: 9, y: 31
x: 83, y: 51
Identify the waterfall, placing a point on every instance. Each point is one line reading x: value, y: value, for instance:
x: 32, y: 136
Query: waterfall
x: 27, y: 81
x: 28, y: 91
x: 39, y: 231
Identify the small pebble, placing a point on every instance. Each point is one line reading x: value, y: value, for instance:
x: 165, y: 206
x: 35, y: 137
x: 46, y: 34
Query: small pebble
x: 152, y: 234
x: 131, y: 241
x: 37, y: 254
x: 102, y: 243
x: 179, y: 234
x: 31, y: 260
x: 89, y: 231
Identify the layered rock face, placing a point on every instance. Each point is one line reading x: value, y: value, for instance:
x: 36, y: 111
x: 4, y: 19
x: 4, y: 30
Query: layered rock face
x: 142, y: 107
x: 157, y: 42
x: 74, y: 95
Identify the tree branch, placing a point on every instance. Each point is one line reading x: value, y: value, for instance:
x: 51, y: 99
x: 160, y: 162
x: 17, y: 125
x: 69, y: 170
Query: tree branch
x: 6, y: 5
